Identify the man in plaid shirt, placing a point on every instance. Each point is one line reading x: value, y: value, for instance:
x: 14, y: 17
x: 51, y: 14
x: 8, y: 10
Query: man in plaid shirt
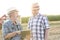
x: 38, y: 24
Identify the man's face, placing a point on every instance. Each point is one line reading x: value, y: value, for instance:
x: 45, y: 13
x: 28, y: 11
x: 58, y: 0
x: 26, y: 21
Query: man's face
x: 35, y: 9
x: 14, y: 16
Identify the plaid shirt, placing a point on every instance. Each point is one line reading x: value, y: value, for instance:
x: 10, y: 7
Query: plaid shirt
x: 37, y: 26
x: 9, y: 27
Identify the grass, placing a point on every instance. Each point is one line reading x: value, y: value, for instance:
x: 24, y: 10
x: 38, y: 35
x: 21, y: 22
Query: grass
x: 54, y: 31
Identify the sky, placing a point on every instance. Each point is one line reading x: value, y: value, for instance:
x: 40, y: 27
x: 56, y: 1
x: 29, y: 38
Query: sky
x: 47, y: 7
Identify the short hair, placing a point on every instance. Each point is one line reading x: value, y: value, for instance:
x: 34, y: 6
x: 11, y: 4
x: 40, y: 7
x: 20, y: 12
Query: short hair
x: 12, y: 11
x: 36, y: 5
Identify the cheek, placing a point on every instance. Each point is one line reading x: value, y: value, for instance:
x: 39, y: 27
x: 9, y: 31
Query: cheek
x: 14, y: 18
x: 34, y: 11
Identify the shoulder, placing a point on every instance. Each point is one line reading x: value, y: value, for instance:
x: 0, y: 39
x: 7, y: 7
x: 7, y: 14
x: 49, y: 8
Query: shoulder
x: 6, y: 23
x: 43, y: 16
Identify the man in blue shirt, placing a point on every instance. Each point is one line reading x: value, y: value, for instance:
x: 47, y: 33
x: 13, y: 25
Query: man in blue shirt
x: 11, y: 29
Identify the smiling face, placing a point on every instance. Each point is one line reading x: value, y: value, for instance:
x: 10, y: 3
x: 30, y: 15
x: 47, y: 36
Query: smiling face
x: 35, y: 9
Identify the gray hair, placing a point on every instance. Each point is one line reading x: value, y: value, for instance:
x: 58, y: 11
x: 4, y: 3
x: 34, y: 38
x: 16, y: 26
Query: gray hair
x: 12, y: 11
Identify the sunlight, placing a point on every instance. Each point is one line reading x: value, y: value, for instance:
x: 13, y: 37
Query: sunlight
x: 48, y: 7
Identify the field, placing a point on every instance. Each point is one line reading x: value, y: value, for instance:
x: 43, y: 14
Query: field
x: 54, y: 31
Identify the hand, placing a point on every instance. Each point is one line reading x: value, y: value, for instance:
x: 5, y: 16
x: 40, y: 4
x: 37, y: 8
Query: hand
x: 18, y: 32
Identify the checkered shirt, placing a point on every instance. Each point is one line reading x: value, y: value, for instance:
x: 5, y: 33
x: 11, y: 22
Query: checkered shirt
x: 37, y: 25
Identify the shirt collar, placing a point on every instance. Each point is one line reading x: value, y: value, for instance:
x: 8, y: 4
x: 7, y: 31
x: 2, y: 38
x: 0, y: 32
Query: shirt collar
x: 12, y: 22
x: 36, y: 15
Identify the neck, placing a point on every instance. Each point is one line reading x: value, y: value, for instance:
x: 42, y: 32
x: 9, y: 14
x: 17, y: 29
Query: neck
x: 35, y: 14
x: 13, y: 21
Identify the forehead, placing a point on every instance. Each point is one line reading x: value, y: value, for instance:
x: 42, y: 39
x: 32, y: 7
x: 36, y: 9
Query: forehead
x: 35, y: 5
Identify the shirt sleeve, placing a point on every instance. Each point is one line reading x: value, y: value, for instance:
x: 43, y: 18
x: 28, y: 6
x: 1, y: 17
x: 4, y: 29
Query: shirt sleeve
x: 5, y: 30
x: 46, y: 23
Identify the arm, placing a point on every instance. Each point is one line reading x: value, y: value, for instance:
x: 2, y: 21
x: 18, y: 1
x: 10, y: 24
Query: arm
x: 46, y: 27
x: 46, y: 34
x: 14, y: 33
x: 6, y: 33
x: 18, y: 32
x: 9, y: 35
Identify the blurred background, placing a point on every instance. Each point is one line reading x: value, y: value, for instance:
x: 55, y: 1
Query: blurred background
x: 50, y: 8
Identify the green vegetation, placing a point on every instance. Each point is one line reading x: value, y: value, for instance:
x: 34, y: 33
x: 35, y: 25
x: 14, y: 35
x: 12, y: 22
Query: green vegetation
x: 54, y: 18
x: 24, y: 19
x: 50, y: 18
